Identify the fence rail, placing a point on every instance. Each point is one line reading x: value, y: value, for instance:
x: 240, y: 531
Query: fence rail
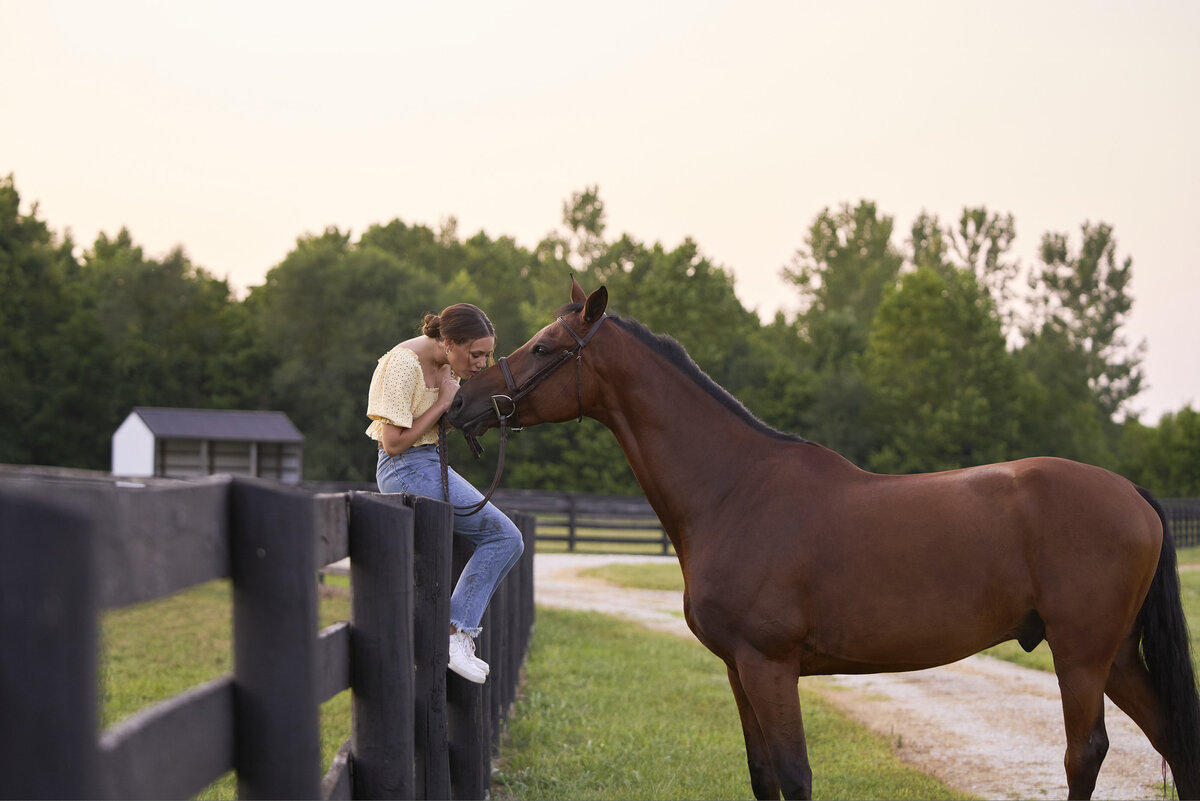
x: 71, y: 549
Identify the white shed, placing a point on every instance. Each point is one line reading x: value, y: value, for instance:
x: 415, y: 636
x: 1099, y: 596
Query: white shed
x: 184, y: 443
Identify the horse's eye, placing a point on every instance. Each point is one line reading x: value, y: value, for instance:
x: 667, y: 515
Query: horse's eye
x: 540, y: 350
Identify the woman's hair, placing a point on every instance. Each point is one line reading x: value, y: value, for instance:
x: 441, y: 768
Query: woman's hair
x: 459, y: 323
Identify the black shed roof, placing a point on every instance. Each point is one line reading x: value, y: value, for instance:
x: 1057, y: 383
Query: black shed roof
x: 219, y: 424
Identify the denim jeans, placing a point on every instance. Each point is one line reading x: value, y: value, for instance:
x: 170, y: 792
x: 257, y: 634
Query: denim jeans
x: 498, y: 541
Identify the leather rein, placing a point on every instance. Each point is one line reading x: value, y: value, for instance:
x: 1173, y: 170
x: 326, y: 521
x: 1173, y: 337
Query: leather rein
x: 505, y: 407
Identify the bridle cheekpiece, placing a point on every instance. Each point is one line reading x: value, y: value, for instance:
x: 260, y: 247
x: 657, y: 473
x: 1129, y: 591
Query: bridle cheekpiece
x: 515, y: 393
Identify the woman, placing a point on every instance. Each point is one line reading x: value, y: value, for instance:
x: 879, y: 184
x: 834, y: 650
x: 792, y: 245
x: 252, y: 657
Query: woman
x: 413, y: 386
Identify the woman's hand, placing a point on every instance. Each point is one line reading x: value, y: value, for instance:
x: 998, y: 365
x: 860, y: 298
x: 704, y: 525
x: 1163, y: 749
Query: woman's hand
x: 448, y: 389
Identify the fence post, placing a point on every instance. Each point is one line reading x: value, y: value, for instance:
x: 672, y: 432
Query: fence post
x: 465, y: 717
x: 381, y: 553
x: 433, y: 528
x: 277, y: 748
x: 571, y: 523
x: 48, y: 726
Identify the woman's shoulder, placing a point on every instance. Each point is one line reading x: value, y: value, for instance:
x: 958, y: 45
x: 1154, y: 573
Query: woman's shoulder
x: 405, y: 352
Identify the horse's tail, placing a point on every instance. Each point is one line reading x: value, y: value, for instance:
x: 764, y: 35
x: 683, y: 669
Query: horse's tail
x: 1166, y: 649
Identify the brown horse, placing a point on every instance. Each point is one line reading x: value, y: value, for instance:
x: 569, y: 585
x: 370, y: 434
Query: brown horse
x: 796, y: 562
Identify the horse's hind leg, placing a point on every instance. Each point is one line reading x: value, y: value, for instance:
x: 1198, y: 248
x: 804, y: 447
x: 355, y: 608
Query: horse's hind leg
x: 1082, y: 688
x: 769, y: 690
x: 1130, y: 688
x: 762, y: 774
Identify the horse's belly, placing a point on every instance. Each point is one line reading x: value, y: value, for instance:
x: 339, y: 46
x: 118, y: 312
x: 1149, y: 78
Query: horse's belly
x: 903, y: 617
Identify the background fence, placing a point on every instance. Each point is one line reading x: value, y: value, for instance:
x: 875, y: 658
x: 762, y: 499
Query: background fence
x: 572, y: 521
x: 71, y: 549
x: 595, y: 522
x: 624, y: 523
x: 1183, y: 514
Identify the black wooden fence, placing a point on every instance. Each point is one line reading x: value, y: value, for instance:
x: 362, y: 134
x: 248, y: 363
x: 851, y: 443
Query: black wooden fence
x: 69, y: 550
x: 1183, y: 514
x: 602, y: 523
x: 578, y: 513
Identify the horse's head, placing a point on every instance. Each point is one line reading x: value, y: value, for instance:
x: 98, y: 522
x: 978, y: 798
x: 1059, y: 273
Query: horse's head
x: 541, y: 381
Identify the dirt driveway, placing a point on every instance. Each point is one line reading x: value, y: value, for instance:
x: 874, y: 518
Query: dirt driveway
x: 983, y: 725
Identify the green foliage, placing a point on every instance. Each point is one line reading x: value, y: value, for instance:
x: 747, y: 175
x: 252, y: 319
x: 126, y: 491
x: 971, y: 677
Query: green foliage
x: 941, y: 382
x: 36, y: 273
x: 842, y: 277
x: 1085, y: 301
x: 1165, y: 459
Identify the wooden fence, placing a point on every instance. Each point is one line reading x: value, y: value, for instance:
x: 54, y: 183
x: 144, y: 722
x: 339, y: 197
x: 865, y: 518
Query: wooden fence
x: 583, y: 518
x: 71, y: 549
x: 1183, y: 515
x: 576, y: 513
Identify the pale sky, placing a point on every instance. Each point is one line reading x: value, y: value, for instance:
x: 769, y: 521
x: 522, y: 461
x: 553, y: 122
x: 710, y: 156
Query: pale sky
x: 232, y: 128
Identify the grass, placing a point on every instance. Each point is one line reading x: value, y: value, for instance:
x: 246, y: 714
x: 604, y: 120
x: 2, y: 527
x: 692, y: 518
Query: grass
x: 154, y: 650
x: 611, y: 710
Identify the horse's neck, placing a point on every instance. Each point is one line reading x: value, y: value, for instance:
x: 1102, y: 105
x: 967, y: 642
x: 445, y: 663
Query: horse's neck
x: 684, y: 446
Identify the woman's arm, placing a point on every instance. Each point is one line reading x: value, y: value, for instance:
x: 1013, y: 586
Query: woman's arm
x: 397, y: 439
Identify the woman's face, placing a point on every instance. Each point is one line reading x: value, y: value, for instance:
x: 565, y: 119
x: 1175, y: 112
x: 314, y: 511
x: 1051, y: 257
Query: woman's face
x: 468, y: 358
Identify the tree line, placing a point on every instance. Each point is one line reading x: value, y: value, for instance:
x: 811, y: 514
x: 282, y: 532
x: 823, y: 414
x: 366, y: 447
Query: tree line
x: 925, y: 352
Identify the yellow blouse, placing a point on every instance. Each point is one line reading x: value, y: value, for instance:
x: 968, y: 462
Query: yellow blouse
x: 399, y: 395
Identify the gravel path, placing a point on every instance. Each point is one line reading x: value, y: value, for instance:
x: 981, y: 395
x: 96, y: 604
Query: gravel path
x: 983, y: 725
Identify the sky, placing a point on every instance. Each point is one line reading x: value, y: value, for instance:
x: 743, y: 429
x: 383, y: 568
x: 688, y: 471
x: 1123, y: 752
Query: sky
x: 233, y: 128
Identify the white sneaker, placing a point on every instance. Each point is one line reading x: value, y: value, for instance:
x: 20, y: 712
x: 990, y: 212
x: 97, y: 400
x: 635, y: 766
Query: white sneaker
x: 463, y: 660
x: 469, y: 644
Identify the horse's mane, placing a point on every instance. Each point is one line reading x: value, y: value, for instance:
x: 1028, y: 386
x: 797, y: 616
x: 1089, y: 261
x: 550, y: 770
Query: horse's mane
x: 669, y: 349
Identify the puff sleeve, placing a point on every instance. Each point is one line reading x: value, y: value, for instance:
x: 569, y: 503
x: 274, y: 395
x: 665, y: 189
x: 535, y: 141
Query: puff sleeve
x: 397, y: 387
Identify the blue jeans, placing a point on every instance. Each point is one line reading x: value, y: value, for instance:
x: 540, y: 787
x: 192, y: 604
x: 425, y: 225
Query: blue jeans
x: 498, y: 541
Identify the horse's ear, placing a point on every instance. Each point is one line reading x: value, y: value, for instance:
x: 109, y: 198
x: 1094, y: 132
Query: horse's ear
x: 577, y: 293
x: 597, y: 302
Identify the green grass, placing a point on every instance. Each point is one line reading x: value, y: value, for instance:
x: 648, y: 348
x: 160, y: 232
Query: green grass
x: 611, y: 710
x: 664, y: 575
x: 154, y: 650
x: 1188, y: 556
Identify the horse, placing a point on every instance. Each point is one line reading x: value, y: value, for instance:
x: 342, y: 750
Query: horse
x: 796, y: 562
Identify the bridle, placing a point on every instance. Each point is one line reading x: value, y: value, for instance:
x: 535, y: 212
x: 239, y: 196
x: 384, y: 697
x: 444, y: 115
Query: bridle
x: 505, y: 407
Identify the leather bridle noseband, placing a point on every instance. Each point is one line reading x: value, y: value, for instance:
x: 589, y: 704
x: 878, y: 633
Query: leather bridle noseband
x: 509, y: 401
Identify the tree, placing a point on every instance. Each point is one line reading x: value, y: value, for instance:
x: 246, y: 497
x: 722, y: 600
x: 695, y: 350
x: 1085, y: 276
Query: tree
x: 154, y: 333
x: 842, y: 276
x: 37, y: 273
x: 1165, y: 458
x: 941, y: 382
x: 1083, y: 303
x: 326, y: 314
x: 980, y: 244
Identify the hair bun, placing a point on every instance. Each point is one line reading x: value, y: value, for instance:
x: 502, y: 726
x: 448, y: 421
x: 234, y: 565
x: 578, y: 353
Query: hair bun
x: 432, y: 326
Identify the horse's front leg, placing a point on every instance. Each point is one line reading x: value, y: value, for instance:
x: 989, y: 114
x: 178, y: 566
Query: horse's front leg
x: 762, y: 773
x: 769, y: 703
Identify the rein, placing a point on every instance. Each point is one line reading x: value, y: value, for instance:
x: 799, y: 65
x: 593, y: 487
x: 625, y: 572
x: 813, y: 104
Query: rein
x: 516, y: 393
